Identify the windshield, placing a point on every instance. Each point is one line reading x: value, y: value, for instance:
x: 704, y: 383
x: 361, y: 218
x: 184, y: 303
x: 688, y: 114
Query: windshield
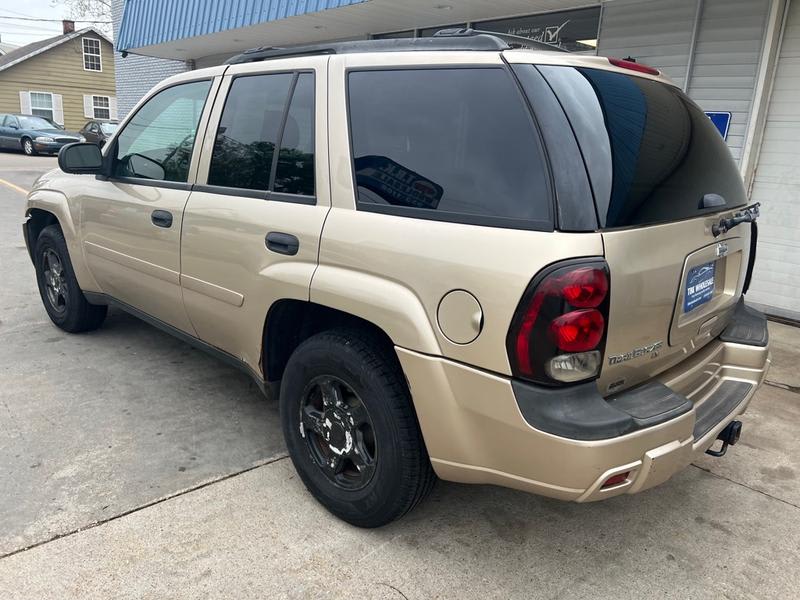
x: 35, y: 123
x: 652, y: 154
x: 108, y: 128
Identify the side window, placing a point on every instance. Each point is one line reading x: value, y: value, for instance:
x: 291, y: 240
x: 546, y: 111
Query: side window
x: 157, y: 142
x: 254, y: 123
x: 452, y: 144
x: 295, y: 170
x: 248, y: 131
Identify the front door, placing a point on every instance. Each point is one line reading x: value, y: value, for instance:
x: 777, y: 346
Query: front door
x: 131, y: 221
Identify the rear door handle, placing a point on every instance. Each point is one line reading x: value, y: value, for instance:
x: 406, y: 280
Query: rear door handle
x: 161, y: 218
x: 282, y: 243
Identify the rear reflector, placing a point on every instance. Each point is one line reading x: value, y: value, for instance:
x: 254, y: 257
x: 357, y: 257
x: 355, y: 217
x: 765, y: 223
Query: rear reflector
x: 633, y: 66
x: 616, y: 479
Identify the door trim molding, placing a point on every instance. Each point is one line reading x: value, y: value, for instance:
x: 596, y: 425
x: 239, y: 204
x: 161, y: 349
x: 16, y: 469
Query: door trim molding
x: 212, y: 291
x: 131, y: 262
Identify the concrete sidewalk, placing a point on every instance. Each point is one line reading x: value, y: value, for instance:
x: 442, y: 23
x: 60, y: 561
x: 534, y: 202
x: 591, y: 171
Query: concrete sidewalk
x: 132, y: 466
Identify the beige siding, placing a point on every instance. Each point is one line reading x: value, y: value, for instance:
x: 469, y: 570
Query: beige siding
x: 59, y: 71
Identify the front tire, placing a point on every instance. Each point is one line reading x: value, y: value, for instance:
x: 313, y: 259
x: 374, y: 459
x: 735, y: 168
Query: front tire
x: 351, y: 429
x: 61, y: 295
x: 27, y: 147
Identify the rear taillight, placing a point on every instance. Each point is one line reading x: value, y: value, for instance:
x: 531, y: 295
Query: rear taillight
x: 558, y: 332
x: 633, y: 66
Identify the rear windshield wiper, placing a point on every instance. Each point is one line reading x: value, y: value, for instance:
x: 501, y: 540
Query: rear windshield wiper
x: 746, y: 215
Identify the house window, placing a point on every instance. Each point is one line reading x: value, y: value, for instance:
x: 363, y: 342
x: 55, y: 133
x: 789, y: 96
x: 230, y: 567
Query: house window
x: 91, y: 55
x: 101, y: 106
x: 42, y: 104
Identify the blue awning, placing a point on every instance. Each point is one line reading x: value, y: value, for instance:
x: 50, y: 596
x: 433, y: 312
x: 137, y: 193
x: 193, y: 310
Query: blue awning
x: 150, y: 22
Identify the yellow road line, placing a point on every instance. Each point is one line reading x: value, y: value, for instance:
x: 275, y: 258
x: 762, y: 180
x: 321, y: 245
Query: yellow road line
x: 22, y: 191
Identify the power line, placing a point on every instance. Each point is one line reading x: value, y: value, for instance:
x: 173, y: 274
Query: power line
x: 53, y: 20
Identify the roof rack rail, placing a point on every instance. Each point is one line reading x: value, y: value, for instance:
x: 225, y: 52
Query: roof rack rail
x: 515, y: 41
x: 461, y: 41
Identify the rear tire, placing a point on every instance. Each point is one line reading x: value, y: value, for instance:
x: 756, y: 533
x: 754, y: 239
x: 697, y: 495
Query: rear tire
x: 61, y: 295
x: 382, y: 469
x: 27, y: 147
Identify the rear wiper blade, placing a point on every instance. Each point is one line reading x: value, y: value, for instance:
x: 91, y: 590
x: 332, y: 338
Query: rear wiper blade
x: 746, y: 215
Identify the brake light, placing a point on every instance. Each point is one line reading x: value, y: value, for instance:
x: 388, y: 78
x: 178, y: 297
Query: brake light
x: 578, y: 331
x: 633, y: 66
x: 558, y: 332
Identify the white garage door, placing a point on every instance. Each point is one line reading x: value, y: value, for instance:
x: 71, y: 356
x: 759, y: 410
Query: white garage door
x: 776, y: 279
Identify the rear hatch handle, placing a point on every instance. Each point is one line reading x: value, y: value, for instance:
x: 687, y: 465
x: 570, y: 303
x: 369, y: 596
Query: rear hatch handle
x: 746, y: 215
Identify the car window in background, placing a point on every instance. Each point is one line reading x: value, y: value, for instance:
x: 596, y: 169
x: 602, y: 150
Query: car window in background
x: 665, y: 154
x: 109, y: 128
x: 248, y: 131
x: 157, y: 142
x: 459, y: 143
x: 34, y: 123
x: 295, y: 169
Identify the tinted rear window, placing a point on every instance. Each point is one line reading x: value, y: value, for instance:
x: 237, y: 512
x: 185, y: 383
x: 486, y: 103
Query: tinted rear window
x: 448, y: 144
x: 652, y: 154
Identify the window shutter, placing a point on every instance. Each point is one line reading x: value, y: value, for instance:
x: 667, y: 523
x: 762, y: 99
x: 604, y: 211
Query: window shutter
x: 58, y: 109
x: 88, y: 106
x: 112, y: 108
x: 25, y: 103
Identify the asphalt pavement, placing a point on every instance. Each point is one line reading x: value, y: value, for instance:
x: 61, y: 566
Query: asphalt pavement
x: 133, y: 466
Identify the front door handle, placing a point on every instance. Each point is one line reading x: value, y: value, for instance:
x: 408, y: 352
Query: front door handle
x: 161, y: 218
x: 283, y: 243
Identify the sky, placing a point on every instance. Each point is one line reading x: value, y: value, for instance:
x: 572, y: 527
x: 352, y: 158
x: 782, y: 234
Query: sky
x: 20, y: 32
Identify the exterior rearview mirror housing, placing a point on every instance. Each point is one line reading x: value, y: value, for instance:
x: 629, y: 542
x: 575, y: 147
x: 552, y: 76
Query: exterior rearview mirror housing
x: 80, y: 158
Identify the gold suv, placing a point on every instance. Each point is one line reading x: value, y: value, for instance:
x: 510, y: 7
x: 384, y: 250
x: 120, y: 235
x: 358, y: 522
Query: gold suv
x: 445, y: 256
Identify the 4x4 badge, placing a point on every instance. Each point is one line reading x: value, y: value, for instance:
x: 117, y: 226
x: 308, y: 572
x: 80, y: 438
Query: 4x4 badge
x: 636, y: 353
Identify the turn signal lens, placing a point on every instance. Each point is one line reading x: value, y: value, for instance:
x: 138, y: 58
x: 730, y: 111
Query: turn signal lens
x: 584, y: 288
x: 578, y: 331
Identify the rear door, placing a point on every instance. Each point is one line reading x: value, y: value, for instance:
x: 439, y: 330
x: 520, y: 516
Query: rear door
x: 253, y: 222
x: 662, y: 176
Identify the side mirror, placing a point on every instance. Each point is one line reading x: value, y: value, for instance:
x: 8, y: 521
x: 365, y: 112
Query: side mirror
x: 80, y: 158
x: 13, y: 126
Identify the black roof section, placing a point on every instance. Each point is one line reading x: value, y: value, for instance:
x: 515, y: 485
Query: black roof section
x: 446, y: 39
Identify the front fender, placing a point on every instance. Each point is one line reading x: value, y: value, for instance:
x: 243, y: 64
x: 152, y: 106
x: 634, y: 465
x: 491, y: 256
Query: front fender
x: 57, y: 204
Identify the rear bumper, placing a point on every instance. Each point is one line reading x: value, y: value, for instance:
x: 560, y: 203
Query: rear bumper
x: 483, y: 428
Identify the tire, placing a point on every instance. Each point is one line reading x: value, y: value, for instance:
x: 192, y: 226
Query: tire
x: 61, y: 295
x: 27, y: 147
x: 391, y: 473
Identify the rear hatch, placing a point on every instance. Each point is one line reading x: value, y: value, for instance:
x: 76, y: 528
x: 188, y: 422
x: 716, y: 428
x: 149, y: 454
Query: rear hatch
x: 662, y: 176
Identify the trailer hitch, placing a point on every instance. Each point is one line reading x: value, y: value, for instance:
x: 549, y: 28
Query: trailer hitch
x: 729, y: 436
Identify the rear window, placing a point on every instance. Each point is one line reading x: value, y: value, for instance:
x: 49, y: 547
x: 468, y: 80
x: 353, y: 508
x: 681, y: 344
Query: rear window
x: 651, y: 153
x: 447, y: 144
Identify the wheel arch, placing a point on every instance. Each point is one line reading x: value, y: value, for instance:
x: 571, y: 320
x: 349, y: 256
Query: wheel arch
x: 289, y: 322
x: 49, y: 207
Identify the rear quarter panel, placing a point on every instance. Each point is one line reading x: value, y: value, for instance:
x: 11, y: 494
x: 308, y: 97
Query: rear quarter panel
x: 415, y: 262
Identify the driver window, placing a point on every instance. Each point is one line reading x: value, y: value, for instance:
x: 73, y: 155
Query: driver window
x: 157, y: 142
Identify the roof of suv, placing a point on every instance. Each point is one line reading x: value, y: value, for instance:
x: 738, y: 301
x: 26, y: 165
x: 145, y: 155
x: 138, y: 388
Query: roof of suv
x: 446, y: 39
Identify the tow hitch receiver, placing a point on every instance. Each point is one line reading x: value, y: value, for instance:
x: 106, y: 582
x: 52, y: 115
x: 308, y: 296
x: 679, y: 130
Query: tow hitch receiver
x: 729, y: 436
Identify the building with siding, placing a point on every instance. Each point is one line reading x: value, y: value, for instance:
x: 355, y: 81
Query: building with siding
x: 68, y: 78
x: 738, y: 59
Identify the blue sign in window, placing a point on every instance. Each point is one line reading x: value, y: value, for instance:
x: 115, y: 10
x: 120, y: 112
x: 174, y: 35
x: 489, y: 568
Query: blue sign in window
x: 722, y: 121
